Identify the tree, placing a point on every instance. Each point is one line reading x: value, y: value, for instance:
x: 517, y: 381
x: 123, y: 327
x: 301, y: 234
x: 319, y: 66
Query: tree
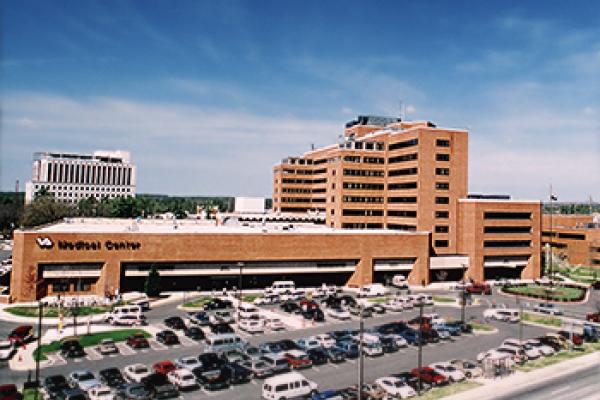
x: 44, y: 209
x: 152, y: 284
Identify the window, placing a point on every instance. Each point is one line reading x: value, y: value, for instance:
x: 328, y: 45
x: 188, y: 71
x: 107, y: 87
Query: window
x: 403, y: 158
x: 402, y: 145
x: 399, y: 186
x: 408, y: 199
x: 442, y: 185
x: 363, y: 186
x: 441, y: 229
x: 507, y: 229
x: 362, y: 213
x: 442, y: 143
x: 401, y: 227
x: 353, y: 159
x: 442, y: 171
x: 60, y: 286
x: 441, y: 214
x: 362, y: 172
x: 373, y: 160
x: 442, y: 157
x: 401, y: 172
x: 402, y: 213
x: 360, y: 199
x: 507, y: 215
x: 441, y: 243
x: 507, y: 243
x: 281, y: 388
x: 442, y: 200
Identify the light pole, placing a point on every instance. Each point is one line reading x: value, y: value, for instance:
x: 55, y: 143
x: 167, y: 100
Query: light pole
x: 520, y: 320
x: 240, y: 289
x: 361, y: 329
x: 463, y: 301
x: 420, y: 339
x: 39, y: 348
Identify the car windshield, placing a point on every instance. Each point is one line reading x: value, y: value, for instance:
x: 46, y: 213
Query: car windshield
x: 469, y: 365
x: 260, y: 364
x: 87, y: 376
x: 140, y: 370
x: 103, y: 392
x: 138, y: 390
x: 397, y: 383
x: 188, y: 361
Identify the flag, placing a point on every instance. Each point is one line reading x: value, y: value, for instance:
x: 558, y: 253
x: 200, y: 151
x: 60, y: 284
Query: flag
x: 553, y: 198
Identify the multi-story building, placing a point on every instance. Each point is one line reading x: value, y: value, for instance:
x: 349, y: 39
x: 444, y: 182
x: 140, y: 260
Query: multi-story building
x: 411, y: 176
x: 71, y: 177
x: 576, y: 237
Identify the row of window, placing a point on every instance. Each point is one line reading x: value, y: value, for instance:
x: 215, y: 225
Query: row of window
x: 300, y: 190
x: 303, y: 181
x: 362, y: 172
x: 507, y: 243
x: 82, y: 188
x: 88, y: 174
x: 363, y: 186
x: 362, y: 199
x: 507, y: 229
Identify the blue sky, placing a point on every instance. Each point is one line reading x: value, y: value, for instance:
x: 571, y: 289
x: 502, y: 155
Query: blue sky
x: 209, y: 95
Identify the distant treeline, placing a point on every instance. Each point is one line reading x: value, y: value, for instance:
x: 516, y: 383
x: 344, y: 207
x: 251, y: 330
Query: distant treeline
x: 45, y: 209
x: 571, y: 208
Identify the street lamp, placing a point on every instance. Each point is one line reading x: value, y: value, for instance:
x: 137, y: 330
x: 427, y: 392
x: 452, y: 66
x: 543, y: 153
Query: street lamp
x: 360, y: 352
x: 240, y: 272
x: 39, y: 348
x: 420, y: 339
x: 462, y: 307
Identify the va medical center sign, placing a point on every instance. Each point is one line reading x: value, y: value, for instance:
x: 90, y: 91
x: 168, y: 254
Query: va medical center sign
x: 46, y: 243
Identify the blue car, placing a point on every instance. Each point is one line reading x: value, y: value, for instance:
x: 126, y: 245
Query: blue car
x: 411, y: 336
x: 328, y: 395
x: 452, y: 330
x: 350, y: 349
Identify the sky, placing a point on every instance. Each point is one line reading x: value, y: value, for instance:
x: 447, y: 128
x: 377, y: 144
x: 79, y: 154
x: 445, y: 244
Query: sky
x: 209, y: 95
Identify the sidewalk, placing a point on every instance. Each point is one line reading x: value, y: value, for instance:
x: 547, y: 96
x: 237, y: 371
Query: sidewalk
x: 497, y: 388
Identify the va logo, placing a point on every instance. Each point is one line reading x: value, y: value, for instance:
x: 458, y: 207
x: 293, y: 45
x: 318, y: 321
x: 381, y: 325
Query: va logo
x: 44, y: 242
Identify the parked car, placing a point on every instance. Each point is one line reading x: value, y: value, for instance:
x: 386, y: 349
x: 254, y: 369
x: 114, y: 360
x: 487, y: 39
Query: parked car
x: 325, y: 340
x: 71, y: 349
x: 337, y: 355
x: 209, y: 360
x: 395, y: 387
x: 547, y: 308
x: 182, y: 379
x: 593, y: 317
x: 111, y: 377
x: 277, y: 362
x: 572, y: 336
x: 218, y: 329
x: 328, y: 395
x: 253, y: 353
x: 544, y: 349
x: 259, y: 368
x: 463, y: 327
x: 372, y: 349
x: 193, y: 332
x: 290, y: 307
x: 449, y: 371
x: 349, y: 348
x: 133, y: 391
x: 159, y: 386
x: 238, y: 373
x: 22, y: 334
x: 377, y: 309
x: 318, y: 356
x: 54, y: 385
x: 188, y: 362
x: 126, y: 320
x: 174, y: 323
x: 430, y: 376
x: 287, y: 386
x: 479, y: 288
x: 338, y: 313
x: 217, y: 304
x: 137, y: 341
x: 136, y: 372
x: 9, y: 391
x: 469, y: 368
x: 297, y: 359
x: 372, y: 290
x: 212, y: 378
x: 83, y: 379
x: 164, y: 367
x: 199, y: 318
x: 233, y: 356
x: 221, y: 317
x: 308, y: 343
x: 167, y: 337
x: 274, y: 324
x: 101, y: 393
x: 388, y: 344
x: 107, y: 346
x: 251, y: 326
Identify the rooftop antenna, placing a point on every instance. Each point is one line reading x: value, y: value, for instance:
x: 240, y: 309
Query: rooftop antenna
x: 402, y: 109
x: 312, y: 146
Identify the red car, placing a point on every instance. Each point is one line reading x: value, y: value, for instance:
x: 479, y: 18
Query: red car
x: 22, y: 334
x: 10, y: 392
x: 297, y: 359
x: 138, y: 341
x: 593, y: 317
x: 479, y: 288
x: 574, y: 337
x: 164, y: 367
x: 428, y: 375
x: 308, y: 304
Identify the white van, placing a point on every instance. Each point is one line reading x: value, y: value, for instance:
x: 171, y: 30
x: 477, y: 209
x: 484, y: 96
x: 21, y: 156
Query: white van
x: 399, y: 281
x: 131, y: 310
x: 286, y: 386
x: 224, y: 342
x: 281, y: 287
x: 502, y: 314
x: 372, y: 290
x: 246, y: 310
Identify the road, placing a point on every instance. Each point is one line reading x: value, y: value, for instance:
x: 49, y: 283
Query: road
x: 582, y: 385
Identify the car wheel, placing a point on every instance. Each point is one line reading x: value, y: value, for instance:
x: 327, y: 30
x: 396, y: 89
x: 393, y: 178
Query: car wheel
x: 468, y: 375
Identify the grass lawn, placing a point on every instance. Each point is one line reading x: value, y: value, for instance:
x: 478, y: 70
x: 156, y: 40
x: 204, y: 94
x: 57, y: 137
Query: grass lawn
x: 447, y: 390
x: 444, y: 299
x: 93, y: 339
x: 541, y: 319
x: 197, y: 303
x: 478, y: 326
x: 378, y: 300
x: 52, y: 312
x: 560, y: 293
x: 587, y: 348
x: 250, y: 297
x: 29, y: 394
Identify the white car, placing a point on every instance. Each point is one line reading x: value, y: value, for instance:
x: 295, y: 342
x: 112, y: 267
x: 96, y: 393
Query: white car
x: 543, y: 348
x: 372, y: 349
x: 247, y: 311
x: 325, y: 340
x: 393, y: 305
x: 308, y: 343
x: 398, y: 339
x: 267, y: 300
x: 395, y: 387
x: 136, y: 372
x: 532, y: 353
x: 372, y: 290
x: 251, y: 325
x: 274, y: 324
x: 494, y: 355
x: 183, y: 379
x: 83, y: 379
x: 338, y: 313
x: 7, y: 350
x: 469, y: 368
x: 450, y: 371
x: 125, y: 320
x: 549, y: 309
x: 221, y: 317
x: 502, y: 314
x: 101, y: 393
x: 188, y: 363
x: 435, y: 319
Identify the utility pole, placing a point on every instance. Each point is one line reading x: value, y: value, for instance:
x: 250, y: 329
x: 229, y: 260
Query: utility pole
x: 361, y: 329
x: 39, y: 348
x: 420, y: 338
x: 520, y: 320
x: 463, y: 299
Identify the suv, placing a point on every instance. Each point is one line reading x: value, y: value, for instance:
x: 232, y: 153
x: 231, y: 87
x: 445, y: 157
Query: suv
x: 137, y: 341
x: 167, y: 337
x: 428, y: 375
x: 71, y: 349
x: 22, y: 334
x: 175, y: 323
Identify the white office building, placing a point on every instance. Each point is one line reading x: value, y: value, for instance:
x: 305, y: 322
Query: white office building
x: 72, y: 177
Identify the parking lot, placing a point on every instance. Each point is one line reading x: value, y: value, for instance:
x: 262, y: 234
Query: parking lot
x: 327, y: 376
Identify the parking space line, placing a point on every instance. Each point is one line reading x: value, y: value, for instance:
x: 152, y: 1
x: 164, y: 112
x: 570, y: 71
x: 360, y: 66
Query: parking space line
x: 56, y: 359
x: 93, y: 354
x: 186, y: 341
x: 156, y: 345
x: 125, y: 350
